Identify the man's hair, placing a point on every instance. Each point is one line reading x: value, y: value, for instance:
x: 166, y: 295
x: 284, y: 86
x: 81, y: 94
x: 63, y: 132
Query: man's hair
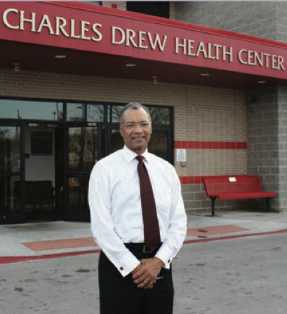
x: 135, y: 106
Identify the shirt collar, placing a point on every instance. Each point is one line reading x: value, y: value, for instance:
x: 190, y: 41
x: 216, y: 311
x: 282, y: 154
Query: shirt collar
x: 130, y: 155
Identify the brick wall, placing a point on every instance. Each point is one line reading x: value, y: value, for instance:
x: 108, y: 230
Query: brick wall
x: 121, y: 5
x: 266, y: 109
x: 211, y: 115
x: 282, y: 145
x: 257, y: 18
x: 267, y: 138
x: 201, y: 114
x: 281, y: 18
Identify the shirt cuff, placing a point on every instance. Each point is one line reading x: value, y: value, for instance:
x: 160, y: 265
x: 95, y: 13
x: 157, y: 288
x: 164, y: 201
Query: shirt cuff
x: 164, y: 255
x: 126, y: 264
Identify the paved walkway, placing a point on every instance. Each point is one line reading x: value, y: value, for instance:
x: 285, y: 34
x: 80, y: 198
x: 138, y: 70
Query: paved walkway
x: 58, y: 239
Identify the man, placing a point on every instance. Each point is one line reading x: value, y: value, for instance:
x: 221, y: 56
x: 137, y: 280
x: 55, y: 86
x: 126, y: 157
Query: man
x: 134, y: 278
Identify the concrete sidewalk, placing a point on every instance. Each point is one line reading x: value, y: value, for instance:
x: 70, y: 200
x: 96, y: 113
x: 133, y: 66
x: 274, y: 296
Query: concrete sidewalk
x: 45, y: 239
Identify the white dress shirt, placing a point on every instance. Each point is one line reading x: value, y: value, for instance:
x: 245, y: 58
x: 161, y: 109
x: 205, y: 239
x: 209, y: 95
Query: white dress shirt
x: 116, y: 213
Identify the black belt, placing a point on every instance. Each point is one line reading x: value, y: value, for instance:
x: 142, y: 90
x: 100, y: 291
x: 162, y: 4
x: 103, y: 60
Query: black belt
x: 141, y: 247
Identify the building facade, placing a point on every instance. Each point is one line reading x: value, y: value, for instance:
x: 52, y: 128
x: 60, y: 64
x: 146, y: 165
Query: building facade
x: 216, y: 93
x: 265, y: 107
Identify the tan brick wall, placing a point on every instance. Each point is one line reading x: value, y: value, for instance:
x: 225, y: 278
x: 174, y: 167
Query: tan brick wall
x: 200, y: 114
x: 121, y: 5
x: 216, y: 115
x: 77, y: 87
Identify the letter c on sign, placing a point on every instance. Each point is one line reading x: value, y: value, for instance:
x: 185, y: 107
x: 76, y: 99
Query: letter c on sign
x: 239, y: 56
x: 5, y: 20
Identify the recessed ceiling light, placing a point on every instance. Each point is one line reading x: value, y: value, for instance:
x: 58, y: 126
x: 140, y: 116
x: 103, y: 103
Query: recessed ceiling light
x: 60, y: 56
x: 16, y: 67
x: 204, y: 74
x: 154, y: 79
x: 261, y: 82
x: 130, y: 65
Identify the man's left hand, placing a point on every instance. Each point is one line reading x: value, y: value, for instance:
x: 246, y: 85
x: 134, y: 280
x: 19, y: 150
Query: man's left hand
x: 145, y: 276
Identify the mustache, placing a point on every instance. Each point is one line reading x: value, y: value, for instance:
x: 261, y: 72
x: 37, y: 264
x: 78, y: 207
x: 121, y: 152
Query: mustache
x: 138, y: 136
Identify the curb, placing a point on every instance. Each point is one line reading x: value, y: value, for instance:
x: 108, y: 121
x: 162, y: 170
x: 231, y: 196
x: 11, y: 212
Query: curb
x: 236, y: 236
x: 21, y: 259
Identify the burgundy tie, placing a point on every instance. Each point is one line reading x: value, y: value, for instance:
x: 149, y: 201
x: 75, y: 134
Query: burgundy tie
x: 151, y: 226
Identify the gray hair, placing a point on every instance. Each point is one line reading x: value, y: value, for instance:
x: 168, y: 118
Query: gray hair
x: 135, y: 106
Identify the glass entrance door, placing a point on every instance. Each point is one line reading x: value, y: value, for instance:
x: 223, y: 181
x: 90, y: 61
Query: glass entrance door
x: 83, y: 148
x: 11, y: 173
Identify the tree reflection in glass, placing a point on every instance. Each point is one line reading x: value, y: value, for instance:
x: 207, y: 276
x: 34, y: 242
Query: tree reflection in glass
x: 9, y: 148
x: 82, y: 148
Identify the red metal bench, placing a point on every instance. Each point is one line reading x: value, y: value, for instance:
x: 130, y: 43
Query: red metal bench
x: 234, y: 187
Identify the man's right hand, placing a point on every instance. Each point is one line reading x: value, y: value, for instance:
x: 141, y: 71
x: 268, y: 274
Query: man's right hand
x: 144, y: 285
x: 144, y: 275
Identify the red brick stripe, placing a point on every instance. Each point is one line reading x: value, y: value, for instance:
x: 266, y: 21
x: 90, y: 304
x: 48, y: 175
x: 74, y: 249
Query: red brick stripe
x: 191, y: 180
x: 209, y: 145
x: 196, y: 179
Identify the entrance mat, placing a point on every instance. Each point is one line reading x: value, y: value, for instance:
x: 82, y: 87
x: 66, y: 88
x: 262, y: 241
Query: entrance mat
x: 207, y: 231
x: 60, y: 244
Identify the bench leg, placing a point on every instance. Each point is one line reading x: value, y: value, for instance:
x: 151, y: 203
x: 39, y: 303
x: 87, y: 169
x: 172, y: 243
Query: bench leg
x: 213, y: 206
x: 267, y: 204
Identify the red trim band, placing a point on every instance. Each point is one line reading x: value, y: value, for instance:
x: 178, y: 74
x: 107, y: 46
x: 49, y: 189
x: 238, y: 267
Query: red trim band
x: 191, y: 180
x: 210, y: 145
x: 197, y: 179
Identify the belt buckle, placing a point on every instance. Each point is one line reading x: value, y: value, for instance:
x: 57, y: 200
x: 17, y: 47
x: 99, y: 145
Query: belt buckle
x: 146, y: 249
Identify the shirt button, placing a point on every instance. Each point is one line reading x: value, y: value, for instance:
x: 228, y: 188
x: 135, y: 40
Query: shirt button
x: 121, y: 268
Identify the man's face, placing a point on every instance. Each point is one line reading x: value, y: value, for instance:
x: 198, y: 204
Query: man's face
x: 136, y: 130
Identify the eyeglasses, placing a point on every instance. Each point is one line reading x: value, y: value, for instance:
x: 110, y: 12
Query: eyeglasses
x: 142, y: 125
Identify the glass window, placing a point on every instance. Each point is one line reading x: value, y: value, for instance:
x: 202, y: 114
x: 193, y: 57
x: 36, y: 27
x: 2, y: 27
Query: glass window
x: 116, y: 141
x: 38, y: 110
x: 158, y: 144
x: 75, y: 112
x: 9, y: 149
x: 151, y: 8
x: 94, y: 2
x: 10, y: 195
x: 160, y: 116
x: 78, y: 194
x: 95, y: 113
x: 114, y: 113
x: 82, y: 148
x: 9, y: 163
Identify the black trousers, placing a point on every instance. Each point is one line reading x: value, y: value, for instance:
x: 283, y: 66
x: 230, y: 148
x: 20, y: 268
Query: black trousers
x: 120, y: 295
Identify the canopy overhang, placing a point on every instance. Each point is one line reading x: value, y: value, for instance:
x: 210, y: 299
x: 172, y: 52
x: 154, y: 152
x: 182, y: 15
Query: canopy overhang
x: 108, y: 42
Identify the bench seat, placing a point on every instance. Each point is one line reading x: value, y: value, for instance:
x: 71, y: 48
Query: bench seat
x: 232, y: 196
